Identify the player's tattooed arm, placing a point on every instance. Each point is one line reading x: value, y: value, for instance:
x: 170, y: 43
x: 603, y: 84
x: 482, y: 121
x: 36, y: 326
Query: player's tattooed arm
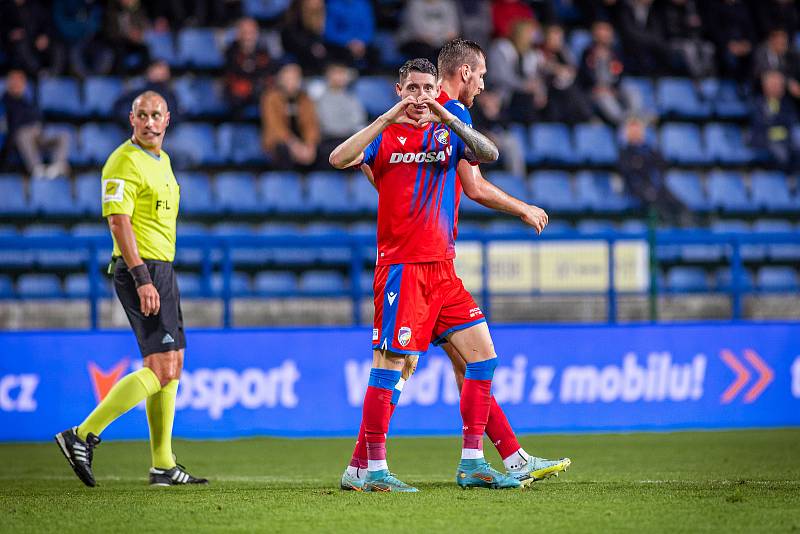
x: 481, y: 147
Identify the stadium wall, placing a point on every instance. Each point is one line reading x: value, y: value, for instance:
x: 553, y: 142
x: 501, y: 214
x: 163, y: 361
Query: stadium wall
x: 310, y: 382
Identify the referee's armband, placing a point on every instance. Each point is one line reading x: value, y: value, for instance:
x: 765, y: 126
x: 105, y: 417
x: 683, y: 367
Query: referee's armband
x: 141, y: 275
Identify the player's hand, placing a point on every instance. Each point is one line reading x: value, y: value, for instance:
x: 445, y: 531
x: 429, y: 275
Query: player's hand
x: 535, y: 217
x: 397, y: 113
x: 436, y: 112
x: 149, y: 300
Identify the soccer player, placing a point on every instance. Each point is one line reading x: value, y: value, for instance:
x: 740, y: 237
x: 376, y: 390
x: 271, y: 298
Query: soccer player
x: 413, y: 151
x: 140, y: 199
x: 461, y: 67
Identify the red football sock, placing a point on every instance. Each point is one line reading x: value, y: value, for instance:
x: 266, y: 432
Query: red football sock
x: 475, y: 404
x: 377, y: 408
x: 359, y: 458
x: 500, y: 432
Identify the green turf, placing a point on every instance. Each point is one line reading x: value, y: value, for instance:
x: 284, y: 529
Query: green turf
x: 701, y: 481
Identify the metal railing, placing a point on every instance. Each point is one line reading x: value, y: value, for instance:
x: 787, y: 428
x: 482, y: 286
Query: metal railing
x: 217, y: 256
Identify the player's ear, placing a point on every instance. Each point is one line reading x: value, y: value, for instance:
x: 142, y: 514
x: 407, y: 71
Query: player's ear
x: 130, y: 118
x: 465, y: 72
x: 167, y: 122
x: 398, y: 89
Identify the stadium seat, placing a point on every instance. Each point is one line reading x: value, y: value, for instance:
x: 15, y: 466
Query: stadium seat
x: 95, y: 230
x: 368, y: 231
x: 192, y: 256
x: 688, y: 188
x: 75, y: 156
x: 98, y: 140
x: 328, y: 193
x: 726, y: 191
x: 551, y: 143
x: 678, y: 97
x: 595, y: 144
x: 87, y: 194
x: 322, y: 283
x: 335, y: 255
x: 771, y: 192
x: 513, y: 185
x: 39, y: 286
x: 50, y: 255
x: 748, y: 251
x: 194, y: 143
x: 778, y: 279
x: 724, y: 280
x: 391, y: 57
x: 779, y: 251
x: 687, y: 280
x: 363, y: 194
x: 578, y: 41
x: 282, y: 192
x: 14, y: 258
x: 6, y: 287
x: 471, y: 207
x: 725, y: 145
x: 201, y: 97
x: 162, y: 47
x: 595, y: 226
x: 288, y: 256
x: 240, y: 284
x: 240, y: 144
x: 197, y: 48
x: 553, y: 190
x: 724, y: 95
x: 681, y: 143
x: 275, y: 283
x: 196, y: 194
x: 634, y: 226
x: 644, y: 92
x: 53, y: 197
x: 13, y: 201
x: 376, y: 93
x: 595, y: 191
x: 190, y: 284
x: 100, y: 93
x: 506, y: 226
x: 264, y: 9
x: 365, y: 282
x: 76, y: 285
x: 61, y: 97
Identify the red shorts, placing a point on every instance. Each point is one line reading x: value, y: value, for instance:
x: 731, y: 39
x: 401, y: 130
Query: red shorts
x: 420, y: 303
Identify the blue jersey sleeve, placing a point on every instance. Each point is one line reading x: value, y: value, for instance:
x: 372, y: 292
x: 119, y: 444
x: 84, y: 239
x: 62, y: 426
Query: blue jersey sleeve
x: 372, y: 150
x: 462, y: 113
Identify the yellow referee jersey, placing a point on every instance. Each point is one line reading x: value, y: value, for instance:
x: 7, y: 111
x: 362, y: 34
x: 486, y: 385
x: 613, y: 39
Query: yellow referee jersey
x: 142, y: 185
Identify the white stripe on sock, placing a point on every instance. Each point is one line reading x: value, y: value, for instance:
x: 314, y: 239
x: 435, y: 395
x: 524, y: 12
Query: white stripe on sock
x: 471, y: 454
x: 377, y: 465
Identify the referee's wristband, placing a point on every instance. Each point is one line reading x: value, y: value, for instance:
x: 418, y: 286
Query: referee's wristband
x: 141, y: 275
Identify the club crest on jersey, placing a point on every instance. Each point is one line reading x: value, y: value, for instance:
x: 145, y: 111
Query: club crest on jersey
x: 442, y: 136
x: 421, y: 157
x: 404, y: 336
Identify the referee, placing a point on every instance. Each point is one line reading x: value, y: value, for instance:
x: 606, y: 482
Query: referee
x: 140, y: 199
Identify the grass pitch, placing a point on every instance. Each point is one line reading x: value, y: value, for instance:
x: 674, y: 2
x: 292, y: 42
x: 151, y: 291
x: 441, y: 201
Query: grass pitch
x: 743, y: 481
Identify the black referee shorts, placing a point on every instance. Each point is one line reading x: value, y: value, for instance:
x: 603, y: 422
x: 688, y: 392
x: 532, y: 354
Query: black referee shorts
x: 156, y: 333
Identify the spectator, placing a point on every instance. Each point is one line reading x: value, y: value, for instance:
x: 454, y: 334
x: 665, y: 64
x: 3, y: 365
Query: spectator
x: 78, y: 23
x: 566, y: 101
x: 247, y: 64
x: 476, y: 20
x: 683, y: 31
x: 773, y: 116
x: 177, y: 14
x: 642, y: 169
x: 302, y: 34
x: 340, y: 112
x: 515, y: 72
x: 489, y: 117
x: 646, y: 51
x: 126, y: 23
x: 349, y: 31
x: 289, y: 125
x: 774, y: 54
x: 26, y: 132
x: 426, y: 26
x: 600, y: 73
x: 771, y: 14
x: 157, y: 78
x: 733, y: 35
x: 506, y: 12
x: 27, y: 31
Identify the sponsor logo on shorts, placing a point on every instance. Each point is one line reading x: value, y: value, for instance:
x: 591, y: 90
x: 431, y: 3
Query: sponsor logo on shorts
x: 404, y: 336
x: 442, y: 136
x: 375, y: 334
x: 113, y: 190
x: 475, y: 312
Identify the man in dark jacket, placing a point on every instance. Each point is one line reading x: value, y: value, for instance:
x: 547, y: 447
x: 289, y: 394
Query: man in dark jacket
x: 772, y: 120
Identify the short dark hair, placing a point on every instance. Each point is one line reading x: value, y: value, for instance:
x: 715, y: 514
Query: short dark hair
x: 456, y: 53
x: 419, y: 64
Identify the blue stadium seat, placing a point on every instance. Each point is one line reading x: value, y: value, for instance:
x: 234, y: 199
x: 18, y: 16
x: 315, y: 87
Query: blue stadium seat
x: 771, y: 192
x: 336, y: 255
x: 190, y: 284
x: 634, y: 226
x: 39, y: 286
x: 98, y: 140
x: 14, y: 258
x: 779, y: 251
x: 75, y: 156
x: 376, y: 93
x: 595, y: 144
x: 578, y: 41
x: 197, y: 47
x: 678, y: 97
x: 76, y: 285
x: 264, y: 9
x: 196, y: 195
x: 61, y: 96
x: 87, y: 194
x: 100, y: 230
x: 367, y: 230
x: 391, y: 57
x: 748, y: 251
x: 240, y: 284
x: 100, y: 93
x: 779, y: 279
x: 53, y: 197
x: 6, y: 287
x: 724, y: 280
x: 275, y: 283
x: 322, y: 283
x: 240, y: 144
x: 559, y: 226
x: 473, y: 208
x: 688, y: 188
x: 365, y: 282
x: 162, y: 47
x: 288, y: 256
x: 201, y: 97
x: 681, y: 143
x: 595, y: 191
x: 553, y: 190
x: 687, y: 280
x: 550, y: 143
x: 363, y: 194
x: 594, y: 226
x: 513, y: 185
x: 726, y: 191
x: 328, y: 193
x: 507, y: 226
x: 725, y: 144
x: 186, y: 256
x: 282, y: 192
x: 644, y: 91
x: 13, y: 201
x: 195, y: 143
x: 51, y: 256
x: 724, y: 95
